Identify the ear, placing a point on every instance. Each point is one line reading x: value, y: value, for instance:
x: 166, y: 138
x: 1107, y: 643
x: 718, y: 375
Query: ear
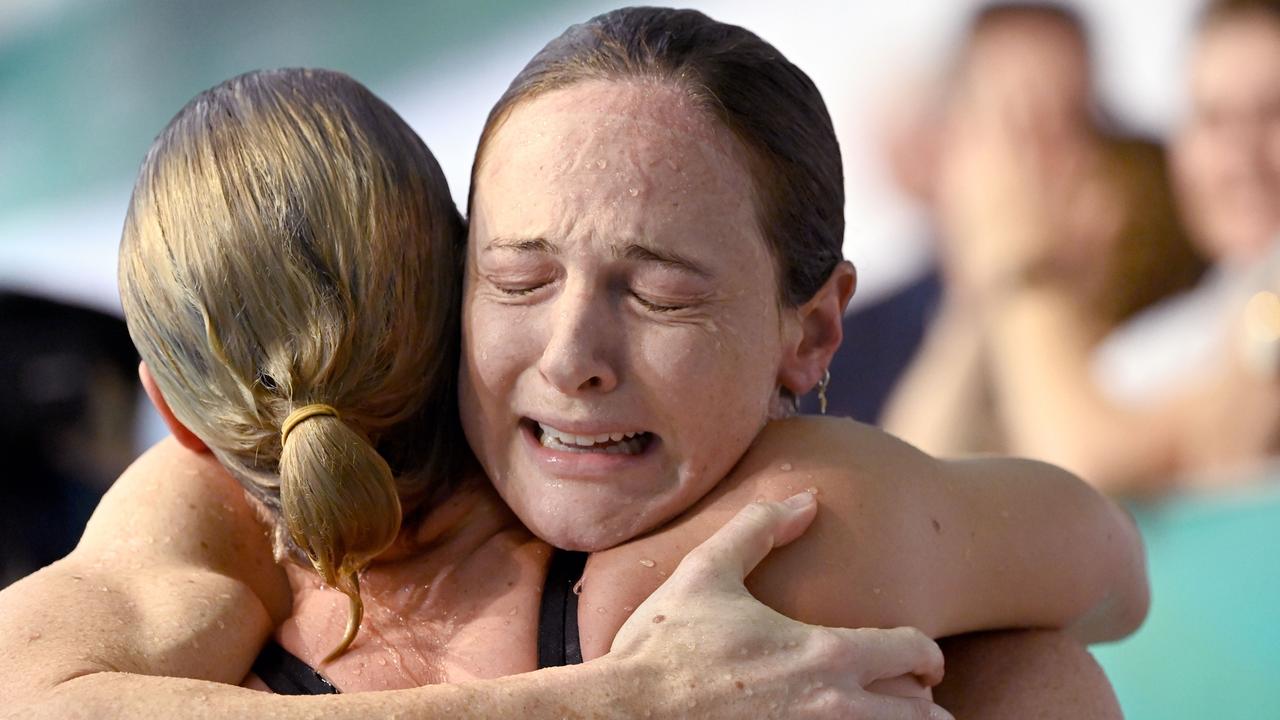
x: 821, y: 328
x: 185, y: 437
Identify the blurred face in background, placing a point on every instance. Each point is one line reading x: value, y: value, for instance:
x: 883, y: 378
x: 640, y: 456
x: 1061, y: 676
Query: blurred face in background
x: 1227, y: 156
x: 1028, y: 64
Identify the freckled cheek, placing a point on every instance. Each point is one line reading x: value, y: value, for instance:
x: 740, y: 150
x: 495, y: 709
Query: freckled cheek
x: 500, y: 343
x: 706, y: 383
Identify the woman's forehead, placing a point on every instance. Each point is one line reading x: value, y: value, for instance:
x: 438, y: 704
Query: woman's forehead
x: 645, y: 125
x: 624, y: 152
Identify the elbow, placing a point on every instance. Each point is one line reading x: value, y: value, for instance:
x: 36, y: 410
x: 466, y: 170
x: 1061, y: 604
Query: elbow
x: 1124, y: 590
x: 1132, y: 587
x: 1114, y: 599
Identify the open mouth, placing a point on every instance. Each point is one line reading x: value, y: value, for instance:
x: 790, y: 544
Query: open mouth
x: 612, y: 443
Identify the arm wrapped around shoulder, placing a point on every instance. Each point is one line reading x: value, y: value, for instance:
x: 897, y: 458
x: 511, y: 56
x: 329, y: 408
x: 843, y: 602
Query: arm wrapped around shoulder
x: 948, y: 546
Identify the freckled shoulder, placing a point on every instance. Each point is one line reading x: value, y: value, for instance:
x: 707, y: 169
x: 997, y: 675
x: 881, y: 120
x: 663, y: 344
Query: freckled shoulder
x: 173, y: 576
x: 846, y: 570
x: 173, y: 508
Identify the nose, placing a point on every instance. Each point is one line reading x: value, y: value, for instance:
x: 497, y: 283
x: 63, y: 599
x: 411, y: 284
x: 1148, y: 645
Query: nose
x: 578, y: 357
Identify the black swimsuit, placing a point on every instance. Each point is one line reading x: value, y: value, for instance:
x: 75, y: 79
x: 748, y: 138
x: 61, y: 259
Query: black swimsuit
x: 558, y: 642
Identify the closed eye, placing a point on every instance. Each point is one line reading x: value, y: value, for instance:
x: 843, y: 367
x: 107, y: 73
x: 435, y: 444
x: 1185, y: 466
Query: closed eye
x: 657, y: 307
x: 517, y: 291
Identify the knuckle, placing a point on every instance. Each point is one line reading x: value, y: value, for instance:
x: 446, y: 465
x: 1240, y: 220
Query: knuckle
x: 758, y: 514
x: 829, y: 648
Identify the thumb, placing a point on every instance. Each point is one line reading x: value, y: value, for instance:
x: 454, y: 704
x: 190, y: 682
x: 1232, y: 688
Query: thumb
x: 735, y: 549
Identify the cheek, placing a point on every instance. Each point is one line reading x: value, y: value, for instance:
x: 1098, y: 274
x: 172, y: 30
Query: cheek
x: 493, y: 359
x: 495, y: 354
x: 714, y: 384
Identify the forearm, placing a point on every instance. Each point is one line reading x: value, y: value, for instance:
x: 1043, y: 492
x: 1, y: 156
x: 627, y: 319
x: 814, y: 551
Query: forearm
x: 939, y: 400
x: 1023, y: 674
x: 1032, y: 546
x: 1054, y: 411
x: 592, y: 690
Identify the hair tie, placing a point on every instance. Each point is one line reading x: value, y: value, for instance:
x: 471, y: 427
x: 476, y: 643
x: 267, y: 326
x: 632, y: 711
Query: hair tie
x: 302, y: 413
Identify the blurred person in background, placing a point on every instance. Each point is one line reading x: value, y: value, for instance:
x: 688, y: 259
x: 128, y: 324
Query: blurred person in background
x: 1035, y: 190
x: 66, y: 424
x: 1183, y: 401
x: 1185, y: 394
x: 1022, y: 89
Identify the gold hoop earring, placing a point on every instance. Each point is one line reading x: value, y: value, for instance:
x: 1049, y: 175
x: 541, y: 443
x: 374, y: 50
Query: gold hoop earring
x: 822, y: 391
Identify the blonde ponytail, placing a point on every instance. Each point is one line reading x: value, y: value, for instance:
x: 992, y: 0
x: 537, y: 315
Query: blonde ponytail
x: 339, y: 504
x: 291, y: 241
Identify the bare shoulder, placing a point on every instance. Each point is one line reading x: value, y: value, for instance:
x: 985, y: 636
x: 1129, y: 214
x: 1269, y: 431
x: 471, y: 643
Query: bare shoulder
x: 844, y: 571
x: 181, y: 508
x: 173, y: 576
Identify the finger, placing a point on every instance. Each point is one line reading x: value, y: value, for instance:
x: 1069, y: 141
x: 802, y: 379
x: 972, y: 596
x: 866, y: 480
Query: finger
x: 883, y: 707
x: 900, y: 651
x: 735, y: 549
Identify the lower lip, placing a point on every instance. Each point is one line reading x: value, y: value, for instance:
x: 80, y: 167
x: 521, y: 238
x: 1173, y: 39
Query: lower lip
x: 586, y: 465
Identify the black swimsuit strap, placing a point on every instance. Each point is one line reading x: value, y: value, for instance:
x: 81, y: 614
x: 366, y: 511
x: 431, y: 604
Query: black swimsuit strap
x: 285, y: 674
x: 558, y: 617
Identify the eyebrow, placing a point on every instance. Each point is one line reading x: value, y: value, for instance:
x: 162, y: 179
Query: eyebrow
x: 644, y: 253
x: 528, y: 245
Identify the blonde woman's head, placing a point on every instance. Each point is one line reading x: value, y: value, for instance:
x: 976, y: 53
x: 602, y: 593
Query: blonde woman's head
x: 291, y: 242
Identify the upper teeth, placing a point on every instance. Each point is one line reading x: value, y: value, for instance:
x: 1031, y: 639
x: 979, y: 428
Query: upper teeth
x: 584, y: 440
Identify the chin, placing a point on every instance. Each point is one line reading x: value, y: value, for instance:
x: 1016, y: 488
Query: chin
x: 584, y: 531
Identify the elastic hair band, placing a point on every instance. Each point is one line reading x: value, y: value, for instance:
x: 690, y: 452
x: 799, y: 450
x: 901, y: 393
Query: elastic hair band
x: 302, y: 413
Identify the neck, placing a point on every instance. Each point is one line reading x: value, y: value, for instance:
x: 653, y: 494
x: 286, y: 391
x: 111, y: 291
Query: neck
x: 469, y: 517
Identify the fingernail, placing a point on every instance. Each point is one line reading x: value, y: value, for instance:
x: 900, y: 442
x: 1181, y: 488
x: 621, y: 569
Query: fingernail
x: 799, y: 501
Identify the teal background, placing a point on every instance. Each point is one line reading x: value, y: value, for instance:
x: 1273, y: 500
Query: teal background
x: 1211, y: 646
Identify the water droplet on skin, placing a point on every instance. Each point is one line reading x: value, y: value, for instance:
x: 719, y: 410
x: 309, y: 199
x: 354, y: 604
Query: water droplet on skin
x: 577, y: 587
x: 647, y: 563
x: 602, y: 163
x: 785, y: 467
x: 633, y: 191
x: 600, y: 610
x: 382, y: 661
x: 33, y: 637
x: 513, y: 611
x: 627, y: 608
x: 876, y: 590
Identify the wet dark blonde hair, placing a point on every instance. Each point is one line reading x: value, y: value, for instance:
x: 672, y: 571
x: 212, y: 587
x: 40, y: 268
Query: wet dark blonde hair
x: 291, y: 241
